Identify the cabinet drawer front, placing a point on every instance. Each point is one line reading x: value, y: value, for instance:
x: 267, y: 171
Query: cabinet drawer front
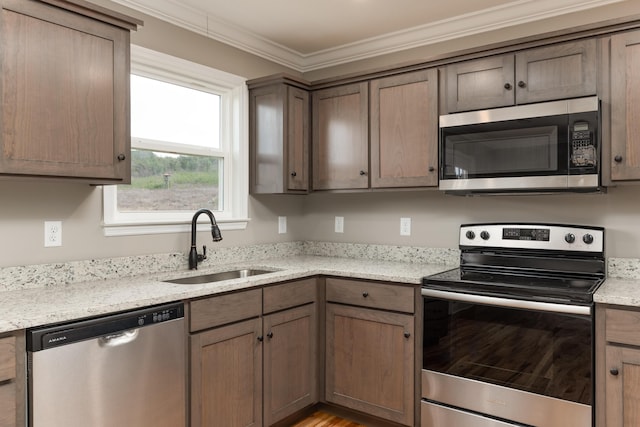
x: 373, y: 295
x: 622, y: 326
x: 7, y: 358
x: 221, y: 310
x: 280, y: 297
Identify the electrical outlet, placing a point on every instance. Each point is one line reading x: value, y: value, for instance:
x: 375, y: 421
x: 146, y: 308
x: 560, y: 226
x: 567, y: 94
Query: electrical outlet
x: 339, y: 224
x: 282, y: 224
x: 405, y: 226
x: 52, y: 233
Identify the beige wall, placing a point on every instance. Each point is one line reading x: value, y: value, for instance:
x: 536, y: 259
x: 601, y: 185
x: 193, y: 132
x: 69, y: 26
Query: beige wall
x: 369, y: 217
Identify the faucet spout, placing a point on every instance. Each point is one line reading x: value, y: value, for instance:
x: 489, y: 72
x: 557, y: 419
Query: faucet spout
x: 194, y: 257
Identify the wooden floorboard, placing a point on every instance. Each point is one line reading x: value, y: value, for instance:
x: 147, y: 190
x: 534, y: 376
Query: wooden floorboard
x: 323, y: 419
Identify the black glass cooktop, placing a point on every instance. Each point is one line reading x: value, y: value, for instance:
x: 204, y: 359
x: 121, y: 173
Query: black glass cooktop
x: 531, y: 286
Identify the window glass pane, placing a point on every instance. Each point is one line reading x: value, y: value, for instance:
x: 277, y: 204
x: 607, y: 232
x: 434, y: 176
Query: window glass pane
x: 167, y: 112
x: 168, y: 182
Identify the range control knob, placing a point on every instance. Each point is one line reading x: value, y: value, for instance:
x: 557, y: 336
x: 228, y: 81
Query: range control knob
x: 569, y: 238
x: 588, y: 239
x: 470, y: 235
x: 484, y: 235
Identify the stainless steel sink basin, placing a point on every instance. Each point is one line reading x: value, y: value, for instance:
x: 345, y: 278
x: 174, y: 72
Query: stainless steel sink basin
x: 218, y: 277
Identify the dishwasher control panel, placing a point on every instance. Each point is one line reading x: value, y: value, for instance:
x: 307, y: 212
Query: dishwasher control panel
x: 107, y: 326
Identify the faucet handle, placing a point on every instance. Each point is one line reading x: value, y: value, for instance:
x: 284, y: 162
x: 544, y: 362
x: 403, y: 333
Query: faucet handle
x: 204, y: 254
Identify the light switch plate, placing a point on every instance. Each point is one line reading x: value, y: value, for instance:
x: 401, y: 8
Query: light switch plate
x: 339, y: 224
x: 282, y: 224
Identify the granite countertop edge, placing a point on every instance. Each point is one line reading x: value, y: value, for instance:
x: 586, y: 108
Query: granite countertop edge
x: 27, y: 308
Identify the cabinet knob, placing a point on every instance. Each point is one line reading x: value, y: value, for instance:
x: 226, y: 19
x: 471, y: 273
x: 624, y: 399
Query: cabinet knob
x: 407, y: 334
x: 365, y: 294
x: 121, y: 157
x: 431, y: 168
x: 522, y: 84
x: 618, y: 158
x: 294, y: 173
x: 614, y: 371
x: 507, y: 86
x: 260, y: 338
x: 270, y: 335
x: 362, y: 173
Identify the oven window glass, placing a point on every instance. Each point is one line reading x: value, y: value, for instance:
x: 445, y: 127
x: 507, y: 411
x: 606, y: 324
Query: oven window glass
x: 545, y: 353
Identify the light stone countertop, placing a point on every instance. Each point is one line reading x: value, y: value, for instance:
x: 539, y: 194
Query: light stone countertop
x: 30, y: 307
x: 619, y: 291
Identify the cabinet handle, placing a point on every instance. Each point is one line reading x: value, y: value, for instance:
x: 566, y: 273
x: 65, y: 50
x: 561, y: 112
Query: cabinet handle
x: 365, y: 294
x: 618, y: 159
x: 407, y: 334
x: 522, y: 84
x: 260, y: 338
x: 431, y: 168
x: 507, y: 86
x: 294, y: 173
x: 362, y: 173
x: 270, y: 335
x: 614, y: 371
x: 121, y: 157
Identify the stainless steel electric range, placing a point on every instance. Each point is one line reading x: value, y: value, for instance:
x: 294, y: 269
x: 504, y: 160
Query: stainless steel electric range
x: 509, y: 336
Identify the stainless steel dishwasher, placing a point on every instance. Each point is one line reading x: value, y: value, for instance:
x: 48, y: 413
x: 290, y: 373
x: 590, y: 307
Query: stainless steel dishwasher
x: 125, y: 369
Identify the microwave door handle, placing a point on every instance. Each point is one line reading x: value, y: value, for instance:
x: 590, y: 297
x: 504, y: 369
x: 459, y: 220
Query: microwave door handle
x: 507, y: 302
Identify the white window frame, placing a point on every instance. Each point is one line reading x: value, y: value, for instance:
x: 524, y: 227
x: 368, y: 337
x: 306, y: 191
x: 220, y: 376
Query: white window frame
x: 234, y: 103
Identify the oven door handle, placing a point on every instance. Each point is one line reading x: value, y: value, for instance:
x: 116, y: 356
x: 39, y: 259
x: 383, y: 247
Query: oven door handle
x: 507, y: 302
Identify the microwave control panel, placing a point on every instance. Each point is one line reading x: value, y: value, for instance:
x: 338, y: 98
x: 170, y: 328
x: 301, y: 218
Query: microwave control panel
x: 583, y: 148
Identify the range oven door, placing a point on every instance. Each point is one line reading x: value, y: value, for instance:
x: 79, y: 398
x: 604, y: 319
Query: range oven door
x: 527, y: 362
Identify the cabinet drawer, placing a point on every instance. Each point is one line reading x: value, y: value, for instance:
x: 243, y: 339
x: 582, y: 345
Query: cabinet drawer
x: 622, y: 326
x: 373, y: 295
x: 280, y: 297
x: 224, y: 309
x: 7, y: 358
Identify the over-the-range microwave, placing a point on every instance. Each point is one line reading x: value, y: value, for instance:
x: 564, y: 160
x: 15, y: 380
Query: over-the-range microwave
x: 544, y: 147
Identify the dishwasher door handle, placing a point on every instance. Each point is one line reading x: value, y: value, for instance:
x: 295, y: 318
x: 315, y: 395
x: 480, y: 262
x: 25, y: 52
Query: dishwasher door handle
x: 114, y: 340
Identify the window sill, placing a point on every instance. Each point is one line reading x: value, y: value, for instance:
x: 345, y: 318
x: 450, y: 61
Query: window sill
x: 134, y: 229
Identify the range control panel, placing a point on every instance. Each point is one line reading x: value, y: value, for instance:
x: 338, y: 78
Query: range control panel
x: 533, y: 236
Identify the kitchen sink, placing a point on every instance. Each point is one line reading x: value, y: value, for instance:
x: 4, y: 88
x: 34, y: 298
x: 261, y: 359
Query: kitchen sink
x: 218, y: 277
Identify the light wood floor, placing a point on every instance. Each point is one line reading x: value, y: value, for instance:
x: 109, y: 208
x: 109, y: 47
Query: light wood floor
x: 322, y: 419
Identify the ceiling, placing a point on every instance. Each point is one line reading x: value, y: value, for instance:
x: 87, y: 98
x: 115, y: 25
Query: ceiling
x: 311, y: 34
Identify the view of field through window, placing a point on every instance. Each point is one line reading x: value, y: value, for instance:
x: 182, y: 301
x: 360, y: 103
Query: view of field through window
x: 169, y: 182
x: 173, y: 121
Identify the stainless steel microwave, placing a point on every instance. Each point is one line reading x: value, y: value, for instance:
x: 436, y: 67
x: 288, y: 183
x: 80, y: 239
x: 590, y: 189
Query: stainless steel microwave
x: 550, y: 146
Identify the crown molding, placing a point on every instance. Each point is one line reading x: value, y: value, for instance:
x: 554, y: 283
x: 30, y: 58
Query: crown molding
x: 495, y: 18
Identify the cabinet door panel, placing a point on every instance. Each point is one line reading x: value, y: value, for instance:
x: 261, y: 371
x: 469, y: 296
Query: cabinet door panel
x: 289, y: 362
x: 370, y: 362
x: 556, y: 72
x: 340, y: 137
x: 625, y: 106
x: 267, y: 143
x: 297, y: 172
x: 480, y: 84
x: 623, y: 390
x: 226, y: 376
x: 8, y: 405
x: 65, y: 108
x: 404, y: 130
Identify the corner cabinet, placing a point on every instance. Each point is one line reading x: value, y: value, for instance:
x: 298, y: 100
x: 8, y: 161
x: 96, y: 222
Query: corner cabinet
x: 279, y: 137
x: 253, y: 355
x: 618, y: 375
x: 565, y: 70
x: 625, y: 106
x: 370, y: 352
x: 341, y: 137
x: 65, y: 91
